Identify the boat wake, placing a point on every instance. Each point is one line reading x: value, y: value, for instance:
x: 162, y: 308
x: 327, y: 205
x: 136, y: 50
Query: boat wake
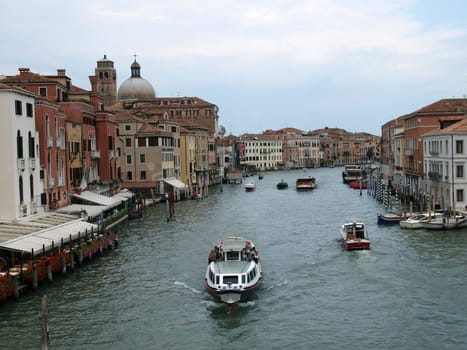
x: 184, y: 285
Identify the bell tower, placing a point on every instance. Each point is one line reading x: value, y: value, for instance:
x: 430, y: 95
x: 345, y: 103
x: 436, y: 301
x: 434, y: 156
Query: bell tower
x: 106, y: 80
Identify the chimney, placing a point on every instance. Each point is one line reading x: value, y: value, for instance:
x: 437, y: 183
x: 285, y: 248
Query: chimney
x: 61, y: 72
x: 23, y: 70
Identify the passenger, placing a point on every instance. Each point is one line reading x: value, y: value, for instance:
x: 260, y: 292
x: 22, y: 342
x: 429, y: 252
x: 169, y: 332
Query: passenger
x: 253, y: 256
x: 212, y: 256
x: 219, y: 253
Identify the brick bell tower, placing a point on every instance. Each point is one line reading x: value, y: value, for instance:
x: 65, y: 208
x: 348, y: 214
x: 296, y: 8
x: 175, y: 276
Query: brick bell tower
x: 106, y: 80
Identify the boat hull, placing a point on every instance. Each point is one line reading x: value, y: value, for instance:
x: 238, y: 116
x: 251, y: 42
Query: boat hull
x: 389, y: 219
x: 362, y: 244
x: 231, y: 296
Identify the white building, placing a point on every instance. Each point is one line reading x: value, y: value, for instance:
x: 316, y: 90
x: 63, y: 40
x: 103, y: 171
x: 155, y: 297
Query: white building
x: 20, y: 185
x: 262, y: 152
x: 445, y: 164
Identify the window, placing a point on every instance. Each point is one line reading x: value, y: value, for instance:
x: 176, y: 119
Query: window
x: 459, y: 171
x: 128, y: 159
x: 459, y: 146
x: 127, y: 127
x: 18, y: 107
x: 29, y: 110
x: 19, y: 145
x: 142, y: 175
x: 129, y: 175
x: 460, y: 195
x: 43, y: 91
x: 128, y: 142
x: 141, y: 141
x: 142, y: 158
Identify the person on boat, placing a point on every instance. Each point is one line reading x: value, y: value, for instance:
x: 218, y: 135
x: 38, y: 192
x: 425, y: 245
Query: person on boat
x: 254, y: 255
x: 213, y: 256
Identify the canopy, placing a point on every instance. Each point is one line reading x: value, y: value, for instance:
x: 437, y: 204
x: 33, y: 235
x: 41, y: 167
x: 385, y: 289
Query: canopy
x: 176, y: 183
x: 92, y: 210
x: 37, y: 240
x: 97, y: 198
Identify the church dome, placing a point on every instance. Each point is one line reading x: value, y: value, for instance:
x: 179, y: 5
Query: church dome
x: 136, y: 87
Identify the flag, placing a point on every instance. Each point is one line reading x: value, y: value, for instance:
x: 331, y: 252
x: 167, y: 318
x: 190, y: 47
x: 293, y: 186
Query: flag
x: 84, y: 181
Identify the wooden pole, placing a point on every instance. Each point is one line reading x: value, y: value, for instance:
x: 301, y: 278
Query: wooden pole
x: 43, y: 317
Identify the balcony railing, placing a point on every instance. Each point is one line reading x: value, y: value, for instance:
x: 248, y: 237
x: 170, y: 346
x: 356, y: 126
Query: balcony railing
x: 50, y: 142
x: 32, y: 163
x: 21, y: 164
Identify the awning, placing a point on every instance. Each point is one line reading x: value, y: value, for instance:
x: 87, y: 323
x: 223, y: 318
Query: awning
x: 97, y: 198
x: 92, y: 210
x: 176, y: 183
x: 45, y: 237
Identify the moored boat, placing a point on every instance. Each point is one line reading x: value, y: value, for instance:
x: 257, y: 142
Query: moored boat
x: 416, y: 220
x: 446, y: 222
x: 250, y: 186
x: 234, y: 270
x: 281, y: 185
x: 354, y: 236
x: 389, y: 219
x: 305, y: 183
x: 357, y: 184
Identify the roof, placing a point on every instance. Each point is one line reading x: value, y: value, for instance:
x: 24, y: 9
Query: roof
x: 37, y: 241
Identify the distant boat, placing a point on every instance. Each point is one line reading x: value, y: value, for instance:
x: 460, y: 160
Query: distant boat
x: 260, y: 176
x: 306, y: 183
x: 250, y: 186
x: 357, y: 184
x: 282, y: 185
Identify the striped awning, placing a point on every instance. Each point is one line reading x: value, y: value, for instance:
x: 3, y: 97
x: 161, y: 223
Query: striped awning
x: 39, y: 240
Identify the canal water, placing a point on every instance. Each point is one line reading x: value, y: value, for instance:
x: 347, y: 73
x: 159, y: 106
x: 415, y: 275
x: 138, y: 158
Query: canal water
x: 408, y: 292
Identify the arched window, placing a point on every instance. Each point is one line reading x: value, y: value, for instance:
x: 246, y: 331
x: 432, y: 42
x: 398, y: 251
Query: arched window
x: 19, y: 145
x: 21, y: 194
x: 31, y: 186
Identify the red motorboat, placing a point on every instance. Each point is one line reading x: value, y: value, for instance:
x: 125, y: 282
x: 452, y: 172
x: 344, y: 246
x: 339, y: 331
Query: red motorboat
x: 354, y: 236
x: 356, y: 185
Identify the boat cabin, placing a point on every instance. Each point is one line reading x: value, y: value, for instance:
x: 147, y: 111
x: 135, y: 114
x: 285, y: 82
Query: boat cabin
x: 355, y: 231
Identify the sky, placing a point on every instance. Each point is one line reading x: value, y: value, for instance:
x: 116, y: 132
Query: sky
x: 267, y: 64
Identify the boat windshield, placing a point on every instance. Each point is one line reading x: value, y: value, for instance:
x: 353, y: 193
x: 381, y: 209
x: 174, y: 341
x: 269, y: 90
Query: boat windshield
x: 233, y: 256
x: 230, y: 279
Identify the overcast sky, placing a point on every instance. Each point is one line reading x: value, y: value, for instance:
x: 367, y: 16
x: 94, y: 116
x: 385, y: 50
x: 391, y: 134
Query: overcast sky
x: 267, y: 64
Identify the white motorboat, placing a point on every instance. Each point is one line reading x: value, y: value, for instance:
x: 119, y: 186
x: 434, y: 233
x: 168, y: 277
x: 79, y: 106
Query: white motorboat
x: 234, y: 270
x: 415, y: 221
x: 446, y: 222
x: 250, y: 186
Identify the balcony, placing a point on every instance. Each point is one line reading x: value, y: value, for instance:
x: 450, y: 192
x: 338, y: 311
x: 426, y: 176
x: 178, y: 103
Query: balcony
x: 21, y: 164
x: 32, y: 163
x: 51, y: 182
x: 50, y: 142
x: 95, y: 154
x: 408, y: 152
x: 61, y: 143
x: 60, y: 181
